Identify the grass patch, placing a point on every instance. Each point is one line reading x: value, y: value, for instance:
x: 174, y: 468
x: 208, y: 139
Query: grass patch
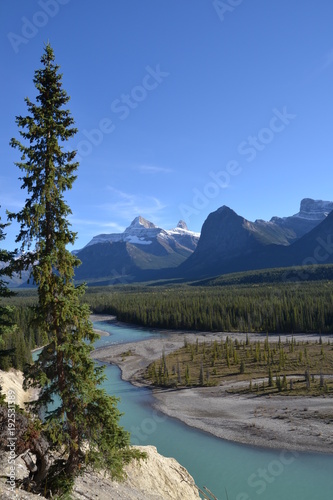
x: 292, y: 367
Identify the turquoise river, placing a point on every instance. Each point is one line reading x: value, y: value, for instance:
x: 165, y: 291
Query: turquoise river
x: 231, y: 471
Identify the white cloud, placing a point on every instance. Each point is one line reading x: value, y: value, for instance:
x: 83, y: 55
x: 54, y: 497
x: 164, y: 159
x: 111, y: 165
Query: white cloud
x: 128, y: 205
x: 119, y: 193
x: 152, y: 169
x: 97, y: 224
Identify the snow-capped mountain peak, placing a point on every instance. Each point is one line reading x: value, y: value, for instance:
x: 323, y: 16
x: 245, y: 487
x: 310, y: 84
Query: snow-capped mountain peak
x: 182, y: 229
x: 139, y: 223
x: 143, y: 232
x: 182, y: 225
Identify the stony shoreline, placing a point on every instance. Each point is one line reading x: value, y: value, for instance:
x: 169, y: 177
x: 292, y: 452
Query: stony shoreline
x: 280, y: 422
x: 101, y: 317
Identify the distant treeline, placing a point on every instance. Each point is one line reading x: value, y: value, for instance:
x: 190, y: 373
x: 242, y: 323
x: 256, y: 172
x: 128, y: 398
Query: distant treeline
x: 23, y: 336
x: 284, y: 307
x: 280, y: 275
x: 259, y: 301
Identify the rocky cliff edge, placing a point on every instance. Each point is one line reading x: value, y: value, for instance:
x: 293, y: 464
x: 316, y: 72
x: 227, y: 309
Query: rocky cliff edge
x: 156, y: 478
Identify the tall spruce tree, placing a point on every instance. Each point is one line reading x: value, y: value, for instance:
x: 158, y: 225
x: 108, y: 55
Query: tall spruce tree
x: 85, y: 424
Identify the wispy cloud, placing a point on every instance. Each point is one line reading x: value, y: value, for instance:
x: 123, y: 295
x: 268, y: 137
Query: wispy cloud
x: 119, y: 193
x: 128, y: 205
x: 153, y: 169
x: 98, y: 224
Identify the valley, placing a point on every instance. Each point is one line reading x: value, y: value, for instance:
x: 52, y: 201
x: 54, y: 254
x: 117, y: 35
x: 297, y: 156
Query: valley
x: 166, y: 257
x: 287, y: 422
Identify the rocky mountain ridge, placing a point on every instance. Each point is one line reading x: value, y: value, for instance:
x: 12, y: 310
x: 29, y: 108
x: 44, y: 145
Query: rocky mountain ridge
x: 282, y: 229
x: 311, y: 213
x: 143, y: 232
x: 136, y: 254
x: 230, y: 243
x: 314, y: 209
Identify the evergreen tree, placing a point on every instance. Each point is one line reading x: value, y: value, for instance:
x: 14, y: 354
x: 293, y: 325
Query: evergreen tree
x: 64, y: 368
x: 201, y: 374
x: 307, y: 378
x: 187, y: 375
x: 6, y: 312
x: 179, y: 377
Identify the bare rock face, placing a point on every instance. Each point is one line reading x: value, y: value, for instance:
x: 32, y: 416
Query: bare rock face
x: 156, y: 478
x: 13, y: 380
x: 314, y: 209
x: 163, y: 475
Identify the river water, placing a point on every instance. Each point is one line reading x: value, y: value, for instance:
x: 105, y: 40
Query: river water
x: 231, y: 471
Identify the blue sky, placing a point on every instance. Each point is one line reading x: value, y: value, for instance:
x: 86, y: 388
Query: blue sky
x: 182, y: 106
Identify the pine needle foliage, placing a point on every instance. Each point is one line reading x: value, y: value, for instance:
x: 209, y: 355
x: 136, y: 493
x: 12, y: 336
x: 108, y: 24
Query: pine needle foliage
x: 7, y: 326
x: 85, y: 424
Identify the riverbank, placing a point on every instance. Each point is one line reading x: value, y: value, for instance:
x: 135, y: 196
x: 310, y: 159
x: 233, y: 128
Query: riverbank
x: 101, y: 317
x: 280, y: 422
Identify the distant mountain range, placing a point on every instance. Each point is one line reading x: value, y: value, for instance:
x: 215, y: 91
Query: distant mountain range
x: 311, y: 213
x: 138, y: 253
x: 230, y: 243
x: 227, y: 243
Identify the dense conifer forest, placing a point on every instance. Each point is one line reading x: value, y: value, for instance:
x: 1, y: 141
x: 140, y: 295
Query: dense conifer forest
x: 244, y: 302
x: 279, y: 308
x: 24, y: 335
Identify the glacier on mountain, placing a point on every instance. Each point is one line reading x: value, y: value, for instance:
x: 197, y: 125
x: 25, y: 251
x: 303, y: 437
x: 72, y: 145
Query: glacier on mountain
x: 143, y: 232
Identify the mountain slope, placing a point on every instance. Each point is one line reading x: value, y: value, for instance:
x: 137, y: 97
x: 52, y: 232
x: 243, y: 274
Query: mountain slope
x: 311, y: 213
x: 144, y: 232
x: 228, y: 238
x: 230, y: 243
x: 315, y: 247
x: 136, y: 253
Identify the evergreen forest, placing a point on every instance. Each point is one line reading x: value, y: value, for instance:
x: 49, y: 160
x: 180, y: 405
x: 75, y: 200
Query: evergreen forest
x: 260, y: 307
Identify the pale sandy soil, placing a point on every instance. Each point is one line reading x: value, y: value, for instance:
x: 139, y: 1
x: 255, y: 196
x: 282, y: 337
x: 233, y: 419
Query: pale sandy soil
x: 12, y: 382
x: 283, y: 422
x: 155, y: 478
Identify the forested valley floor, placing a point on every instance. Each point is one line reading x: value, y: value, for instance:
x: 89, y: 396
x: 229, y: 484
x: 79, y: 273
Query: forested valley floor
x: 245, y: 302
